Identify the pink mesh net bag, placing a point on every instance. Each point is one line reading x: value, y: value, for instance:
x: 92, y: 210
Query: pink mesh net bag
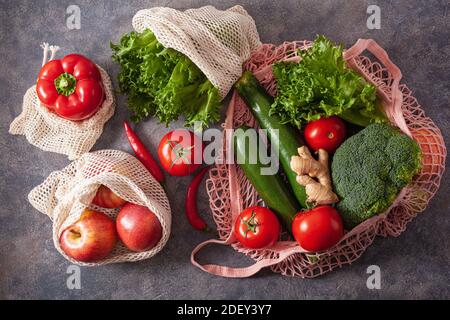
x: 230, y: 192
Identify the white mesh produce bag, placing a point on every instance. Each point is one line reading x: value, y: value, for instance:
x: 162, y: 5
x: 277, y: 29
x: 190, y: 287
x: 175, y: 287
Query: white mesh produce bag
x: 49, y: 132
x: 65, y: 194
x: 217, y: 41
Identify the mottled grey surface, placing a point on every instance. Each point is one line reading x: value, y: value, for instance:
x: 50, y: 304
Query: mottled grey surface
x: 414, y: 265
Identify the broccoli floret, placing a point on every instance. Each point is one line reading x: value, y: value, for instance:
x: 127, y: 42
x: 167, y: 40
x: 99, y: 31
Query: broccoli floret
x: 370, y: 168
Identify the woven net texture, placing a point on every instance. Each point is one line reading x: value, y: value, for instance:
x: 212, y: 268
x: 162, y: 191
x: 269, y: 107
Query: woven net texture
x: 65, y: 194
x: 217, y: 41
x: 49, y: 132
x: 287, y: 257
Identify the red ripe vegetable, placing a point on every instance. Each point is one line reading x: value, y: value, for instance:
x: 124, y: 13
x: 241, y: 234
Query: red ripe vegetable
x: 71, y: 87
x: 257, y: 227
x: 180, y: 152
x: 325, y: 133
x: 143, y: 154
x: 318, y: 229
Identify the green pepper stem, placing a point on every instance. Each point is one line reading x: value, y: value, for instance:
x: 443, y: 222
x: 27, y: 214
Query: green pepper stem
x: 65, y: 84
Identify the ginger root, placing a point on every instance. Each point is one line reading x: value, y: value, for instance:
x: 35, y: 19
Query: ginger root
x: 314, y: 175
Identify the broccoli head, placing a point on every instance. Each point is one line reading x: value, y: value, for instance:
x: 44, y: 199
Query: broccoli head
x: 370, y: 168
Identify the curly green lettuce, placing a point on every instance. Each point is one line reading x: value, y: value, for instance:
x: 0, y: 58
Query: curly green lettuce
x: 162, y: 82
x: 322, y: 85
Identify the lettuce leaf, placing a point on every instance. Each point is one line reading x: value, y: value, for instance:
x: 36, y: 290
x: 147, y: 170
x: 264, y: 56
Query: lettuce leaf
x: 322, y: 85
x: 163, y: 82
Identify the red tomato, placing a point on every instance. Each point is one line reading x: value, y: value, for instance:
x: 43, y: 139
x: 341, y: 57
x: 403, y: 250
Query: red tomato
x: 318, y: 229
x: 180, y: 152
x: 257, y: 227
x: 325, y: 133
x: 105, y: 198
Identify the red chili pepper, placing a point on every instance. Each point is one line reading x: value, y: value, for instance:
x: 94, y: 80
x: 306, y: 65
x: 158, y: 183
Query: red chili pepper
x: 191, y: 202
x: 143, y: 154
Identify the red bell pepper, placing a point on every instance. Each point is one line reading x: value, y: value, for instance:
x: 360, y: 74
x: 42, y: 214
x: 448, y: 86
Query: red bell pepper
x: 71, y: 87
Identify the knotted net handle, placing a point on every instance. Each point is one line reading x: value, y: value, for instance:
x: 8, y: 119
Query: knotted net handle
x: 393, y: 103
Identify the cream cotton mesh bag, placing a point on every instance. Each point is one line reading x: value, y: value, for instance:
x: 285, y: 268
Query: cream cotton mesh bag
x: 49, y: 132
x: 65, y: 194
x: 217, y: 41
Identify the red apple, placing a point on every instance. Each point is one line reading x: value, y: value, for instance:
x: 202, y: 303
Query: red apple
x: 105, y: 198
x: 138, y: 227
x: 91, y: 238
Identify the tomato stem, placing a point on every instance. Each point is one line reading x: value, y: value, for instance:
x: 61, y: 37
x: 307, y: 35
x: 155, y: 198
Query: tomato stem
x: 180, y: 152
x: 251, y: 223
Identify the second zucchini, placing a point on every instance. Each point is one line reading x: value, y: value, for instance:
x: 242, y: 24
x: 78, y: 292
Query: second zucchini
x: 271, y: 188
x: 282, y: 136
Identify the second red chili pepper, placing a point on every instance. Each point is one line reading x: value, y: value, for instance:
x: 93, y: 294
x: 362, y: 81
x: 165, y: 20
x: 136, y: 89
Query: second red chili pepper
x: 143, y: 154
x: 191, y: 202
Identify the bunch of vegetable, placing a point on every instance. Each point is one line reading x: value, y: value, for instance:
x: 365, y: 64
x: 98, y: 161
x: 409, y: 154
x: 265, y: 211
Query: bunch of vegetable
x: 316, y: 229
x: 163, y: 82
x: 370, y: 168
x: 322, y: 85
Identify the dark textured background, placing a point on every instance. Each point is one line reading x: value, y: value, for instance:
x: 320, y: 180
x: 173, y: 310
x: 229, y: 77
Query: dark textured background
x: 414, y: 265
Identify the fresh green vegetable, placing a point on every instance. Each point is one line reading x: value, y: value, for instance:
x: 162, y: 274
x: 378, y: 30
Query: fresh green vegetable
x: 284, y: 138
x: 271, y: 188
x: 321, y: 84
x: 163, y: 82
x: 370, y: 168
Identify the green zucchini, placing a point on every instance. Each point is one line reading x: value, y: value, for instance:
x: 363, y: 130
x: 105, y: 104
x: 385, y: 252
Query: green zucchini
x: 271, y: 188
x: 284, y: 139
